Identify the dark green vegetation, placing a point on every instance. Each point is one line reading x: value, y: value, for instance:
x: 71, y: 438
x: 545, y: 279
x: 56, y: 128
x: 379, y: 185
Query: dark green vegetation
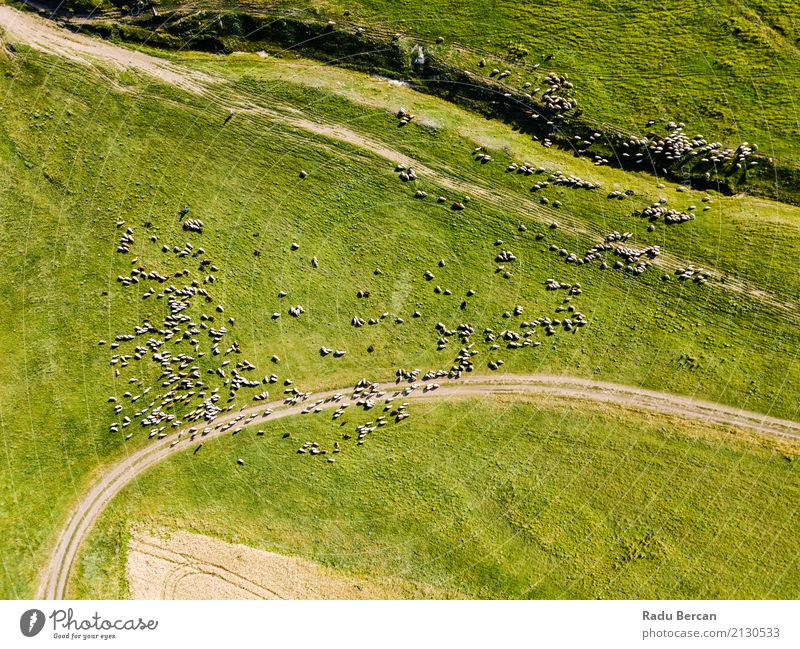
x: 727, y: 70
x: 491, y: 498
x: 81, y: 148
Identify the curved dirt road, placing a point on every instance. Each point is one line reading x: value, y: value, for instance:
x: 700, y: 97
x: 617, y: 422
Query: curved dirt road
x: 54, y: 579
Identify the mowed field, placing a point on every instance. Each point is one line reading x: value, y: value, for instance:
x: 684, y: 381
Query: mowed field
x: 166, y: 564
x: 490, y: 498
x: 83, y: 147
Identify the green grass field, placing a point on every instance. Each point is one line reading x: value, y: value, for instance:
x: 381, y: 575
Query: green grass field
x: 81, y: 148
x: 494, y: 498
x: 726, y: 69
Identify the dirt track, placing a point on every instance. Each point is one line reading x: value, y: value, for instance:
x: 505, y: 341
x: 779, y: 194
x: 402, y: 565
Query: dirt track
x: 54, y: 579
x: 43, y: 35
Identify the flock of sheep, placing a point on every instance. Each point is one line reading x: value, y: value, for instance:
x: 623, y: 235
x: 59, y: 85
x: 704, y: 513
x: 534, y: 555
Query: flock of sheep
x: 659, y: 153
x: 183, y: 394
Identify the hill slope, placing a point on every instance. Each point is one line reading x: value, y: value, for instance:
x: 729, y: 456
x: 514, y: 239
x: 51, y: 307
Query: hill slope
x: 728, y: 71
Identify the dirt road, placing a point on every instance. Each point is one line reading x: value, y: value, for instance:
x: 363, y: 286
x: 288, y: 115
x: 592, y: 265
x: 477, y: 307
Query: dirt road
x: 45, y: 36
x: 54, y: 579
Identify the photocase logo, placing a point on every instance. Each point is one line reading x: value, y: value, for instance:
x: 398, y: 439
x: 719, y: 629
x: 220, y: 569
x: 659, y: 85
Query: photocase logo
x: 31, y: 622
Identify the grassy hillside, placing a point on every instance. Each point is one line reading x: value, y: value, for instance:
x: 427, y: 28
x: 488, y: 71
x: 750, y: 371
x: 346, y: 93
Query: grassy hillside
x: 493, y: 498
x: 725, y: 69
x: 82, y: 149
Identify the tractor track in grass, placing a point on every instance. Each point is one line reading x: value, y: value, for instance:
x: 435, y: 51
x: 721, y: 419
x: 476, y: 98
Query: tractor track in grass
x: 54, y: 579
